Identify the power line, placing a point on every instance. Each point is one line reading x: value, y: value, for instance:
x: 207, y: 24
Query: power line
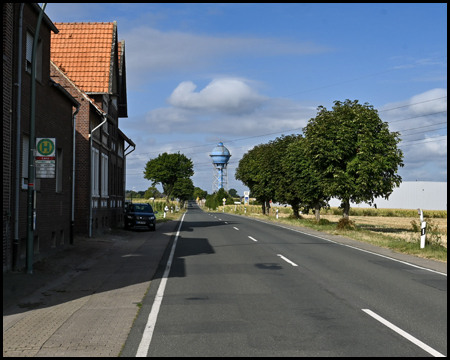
x: 424, y: 142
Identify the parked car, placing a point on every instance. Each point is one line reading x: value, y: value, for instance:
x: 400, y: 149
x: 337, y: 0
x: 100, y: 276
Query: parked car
x: 140, y: 215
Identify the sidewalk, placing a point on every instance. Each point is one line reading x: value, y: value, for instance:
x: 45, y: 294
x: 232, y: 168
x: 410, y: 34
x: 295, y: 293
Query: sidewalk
x: 83, y: 300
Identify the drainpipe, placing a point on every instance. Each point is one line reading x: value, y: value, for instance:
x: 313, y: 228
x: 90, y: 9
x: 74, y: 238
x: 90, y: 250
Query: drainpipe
x: 18, y: 84
x: 72, y: 219
x: 105, y: 117
x: 30, y: 232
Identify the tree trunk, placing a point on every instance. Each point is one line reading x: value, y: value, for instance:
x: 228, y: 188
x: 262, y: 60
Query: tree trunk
x: 317, y: 212
x: 295, y: 209
x: 346, y: 210
x: 263, y: 207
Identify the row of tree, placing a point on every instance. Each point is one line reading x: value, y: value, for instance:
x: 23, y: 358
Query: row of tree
x: 347, y: 153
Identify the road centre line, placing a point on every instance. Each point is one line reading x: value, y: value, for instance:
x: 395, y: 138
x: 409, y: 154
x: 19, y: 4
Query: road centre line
x: 411, y: 338
x: 234, y: 227
x: 353, y: 247
x: 144, y: 345
x: 287, y: 260
x: 252, y: 238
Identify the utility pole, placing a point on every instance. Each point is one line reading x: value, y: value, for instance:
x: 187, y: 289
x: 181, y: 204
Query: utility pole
x: 30, y: 233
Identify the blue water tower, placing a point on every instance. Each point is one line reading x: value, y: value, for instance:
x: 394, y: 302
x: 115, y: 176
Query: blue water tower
x: 220, y: 157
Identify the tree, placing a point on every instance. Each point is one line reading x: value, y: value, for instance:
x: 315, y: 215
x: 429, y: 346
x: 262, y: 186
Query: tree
x: 183, y: 189
x: 279, y: 178
x: 199, y: 193
x: 166, y: 169
x: 354, y: 151
x: 254, y: 171
x: 233, y: 193
x: 152, y: 192
x: 302, y: 181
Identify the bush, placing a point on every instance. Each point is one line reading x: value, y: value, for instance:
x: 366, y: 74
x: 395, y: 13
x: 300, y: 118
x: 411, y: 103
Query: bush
x: 345, y: 224
x: 324, y: 222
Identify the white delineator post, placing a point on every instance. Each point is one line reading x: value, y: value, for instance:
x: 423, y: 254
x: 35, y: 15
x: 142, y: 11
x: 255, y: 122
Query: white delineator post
x: 277, y: 213
x: 423, y: 227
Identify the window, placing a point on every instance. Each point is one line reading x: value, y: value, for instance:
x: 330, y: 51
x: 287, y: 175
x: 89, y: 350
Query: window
x: 104, y: 175
x: 59, y: 170
x: 95, y: 163
x: 29, y: 54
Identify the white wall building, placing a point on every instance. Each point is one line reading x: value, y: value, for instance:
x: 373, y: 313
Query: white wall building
x: 426, y: 195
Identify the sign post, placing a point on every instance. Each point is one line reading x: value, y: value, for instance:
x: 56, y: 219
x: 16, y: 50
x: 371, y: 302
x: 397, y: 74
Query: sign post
x: 423, y: 227
x: 45, y: 158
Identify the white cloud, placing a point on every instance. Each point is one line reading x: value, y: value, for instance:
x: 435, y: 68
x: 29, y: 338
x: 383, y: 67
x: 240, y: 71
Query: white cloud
x: 226, y: 95
x: 229, y: 107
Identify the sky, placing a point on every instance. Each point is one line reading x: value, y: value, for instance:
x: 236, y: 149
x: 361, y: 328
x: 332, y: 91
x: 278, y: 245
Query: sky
x: 244, y: 74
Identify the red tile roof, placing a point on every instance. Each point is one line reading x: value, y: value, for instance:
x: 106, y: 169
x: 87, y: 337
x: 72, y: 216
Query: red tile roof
x: 83, y: 51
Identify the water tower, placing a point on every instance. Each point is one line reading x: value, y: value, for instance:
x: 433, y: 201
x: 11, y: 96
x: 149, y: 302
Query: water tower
x: 220, y: 156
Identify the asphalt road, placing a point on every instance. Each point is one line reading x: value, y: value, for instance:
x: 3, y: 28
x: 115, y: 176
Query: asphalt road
x: 240, y: 287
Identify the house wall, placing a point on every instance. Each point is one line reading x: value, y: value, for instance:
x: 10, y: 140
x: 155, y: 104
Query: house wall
x: 53, y: 120
x: 8, y: 23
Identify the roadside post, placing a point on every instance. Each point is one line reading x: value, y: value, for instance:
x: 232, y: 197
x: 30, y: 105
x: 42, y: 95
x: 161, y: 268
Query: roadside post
x: 245, y: 210
x: 423, y: 227
x: 277, y: 213
x: 166, y: 209
x: 223, y: 201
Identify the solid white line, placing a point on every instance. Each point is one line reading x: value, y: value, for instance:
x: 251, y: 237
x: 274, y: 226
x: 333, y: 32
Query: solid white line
x: 252, y: 238
x: 151, y: 322
x: 287, y: 260
x: 404, y: 334
x: 353, y: 247
x: 235, y: 228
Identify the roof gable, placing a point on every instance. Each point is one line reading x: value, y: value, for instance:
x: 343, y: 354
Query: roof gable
x: 88, y: 54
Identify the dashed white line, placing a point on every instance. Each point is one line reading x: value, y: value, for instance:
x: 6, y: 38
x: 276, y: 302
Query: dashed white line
x: 252, y: 238
x: 404, y: 334
x: 287, y: 260
x: 234, y: 227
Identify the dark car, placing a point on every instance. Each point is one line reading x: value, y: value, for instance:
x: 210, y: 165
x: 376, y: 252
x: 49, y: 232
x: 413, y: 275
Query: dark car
x: 140, y: 215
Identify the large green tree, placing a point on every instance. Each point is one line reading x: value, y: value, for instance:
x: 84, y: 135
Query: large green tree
x: 302, y: 181
x: 254, y: 171
x: 167, y: 169
x: 277, y: 175
x: 354, y: 151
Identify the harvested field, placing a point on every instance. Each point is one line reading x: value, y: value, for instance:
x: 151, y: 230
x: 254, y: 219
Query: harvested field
x: 395, y: 227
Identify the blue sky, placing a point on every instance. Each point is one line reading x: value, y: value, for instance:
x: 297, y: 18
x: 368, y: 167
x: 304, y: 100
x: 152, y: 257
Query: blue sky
x: 245, y: 74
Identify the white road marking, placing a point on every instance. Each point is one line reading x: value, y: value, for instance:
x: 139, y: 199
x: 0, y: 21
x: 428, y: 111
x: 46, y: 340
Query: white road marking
x: 152, y: 317
x: 252, y: 238
x: 234, y: 227
x: 220, y: 219
x: 404, y: 334
x: 226, y: 222
x: 287, y: 260
x: 353, y: 247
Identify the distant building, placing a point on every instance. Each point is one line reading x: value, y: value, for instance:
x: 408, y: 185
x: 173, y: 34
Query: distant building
x: 426, y: 195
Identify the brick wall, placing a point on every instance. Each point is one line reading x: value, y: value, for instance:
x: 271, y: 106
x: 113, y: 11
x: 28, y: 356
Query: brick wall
x: 8, y: 30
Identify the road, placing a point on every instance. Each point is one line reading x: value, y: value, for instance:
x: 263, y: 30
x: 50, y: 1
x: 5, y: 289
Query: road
x: 241, y: 287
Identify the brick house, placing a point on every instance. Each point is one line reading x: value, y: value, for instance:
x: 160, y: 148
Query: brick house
x: 89, y: 62
x: 54, y: 119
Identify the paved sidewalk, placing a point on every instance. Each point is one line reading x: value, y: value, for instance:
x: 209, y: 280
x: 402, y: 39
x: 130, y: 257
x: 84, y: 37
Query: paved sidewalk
x: 83, y: 300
